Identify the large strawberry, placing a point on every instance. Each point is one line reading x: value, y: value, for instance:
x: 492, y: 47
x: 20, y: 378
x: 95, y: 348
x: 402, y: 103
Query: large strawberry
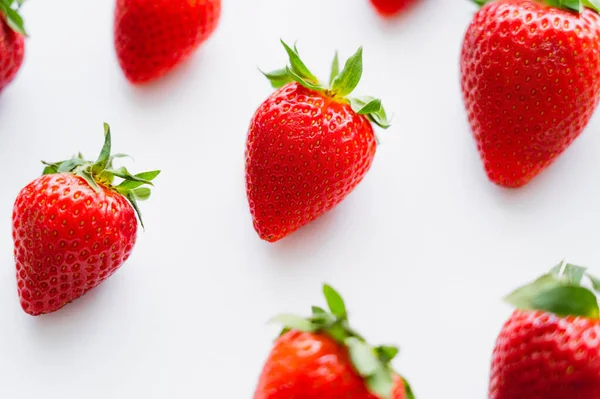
x: 549, y: 348
x: 390, y: 8
x: 323, y: 357
x: 154, y: 36
x: 12, y: 41
x: 74, y: 227
x: 531, y: 81
x: 308, y: 145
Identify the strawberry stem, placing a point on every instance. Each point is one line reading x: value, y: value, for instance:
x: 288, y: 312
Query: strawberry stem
x: 102, y: 173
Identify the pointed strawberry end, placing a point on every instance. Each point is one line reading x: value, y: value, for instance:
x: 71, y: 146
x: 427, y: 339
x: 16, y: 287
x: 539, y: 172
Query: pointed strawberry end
x: 10, y: 10
x: 560, y: 292
x: 102, y: 173
x: 341, y: 83
x: 373, y: 364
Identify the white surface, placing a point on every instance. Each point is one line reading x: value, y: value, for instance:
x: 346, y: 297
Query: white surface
x: 423, y: 250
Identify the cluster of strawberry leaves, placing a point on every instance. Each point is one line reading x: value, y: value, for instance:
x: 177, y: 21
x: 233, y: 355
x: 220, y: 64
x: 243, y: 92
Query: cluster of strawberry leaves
x: 10, y: 9
x: 372, y: 363
x: 573, y: 5
x: 102, y: 172
x: 341, y: 83
x: 560, y: 292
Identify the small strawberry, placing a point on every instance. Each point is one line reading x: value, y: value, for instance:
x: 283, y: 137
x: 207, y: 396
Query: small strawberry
x: 390, y: 8
x: 531, y: 81
x: 12, y: 41
x: 549, y: 348
x: 308, y: 145
x: 323, y: 357
x: 154, y: 36
x: 73, y: 228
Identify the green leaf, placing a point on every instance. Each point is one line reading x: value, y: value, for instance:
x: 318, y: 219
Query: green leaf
x: 278, y: 78
x: 123, y: 173
x: 104, y: 157
x: 522, y: 298
x: 13, y: 19
x: 142, y: 193
x: 592, y: 4
x: 595, y: 282
x: 68, y: 166
x: 363, y: 357
x: 386, y: 353
x: 335, y: 302
x: 335, y: 68
x: 133, y: 201
x: 381, y: 384
x: 348, y: 79
x: 407, y: 389
x: 567, y: 300
x: 318, y: 311
x: 298, y: 66
x: 139, y: 180
x: 293, y: 322
x: 87, y: 176
x: 302, y: 81
x: 50, y: 168
x: 568, y: 272
x: 372, y: 108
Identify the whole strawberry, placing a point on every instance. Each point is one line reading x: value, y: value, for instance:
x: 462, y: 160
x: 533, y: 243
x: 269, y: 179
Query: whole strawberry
x: 549, y: 348
x: 390, y: 8
x: 530, y: 80
x: 154, y: 36
x: 308, y: 145
x: 12, y: 41
x: 323, y: 357
x: 74, y: 227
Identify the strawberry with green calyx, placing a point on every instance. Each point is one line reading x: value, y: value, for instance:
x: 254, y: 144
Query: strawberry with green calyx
x: 323, y: 357
x: 309, y: 145
x: 549, y: 347
x: 12, y: 40
x: 530, y: 76
x: 74, y: 227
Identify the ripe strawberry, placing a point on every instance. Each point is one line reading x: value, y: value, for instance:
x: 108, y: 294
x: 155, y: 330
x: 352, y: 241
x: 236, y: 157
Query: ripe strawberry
x: 73, y: 228
x: 549, y: 347
x: 390, y: 8
x: 530, y: 81
x: 323, y: 357
x: 308, y: 145
x: 154, y: 36
x: 12, y: 41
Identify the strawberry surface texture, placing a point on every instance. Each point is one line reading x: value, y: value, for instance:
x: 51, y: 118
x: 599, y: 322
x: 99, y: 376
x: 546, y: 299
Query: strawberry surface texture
x: 530, y: 78
x: 154, y: 36
x: 12, y: 43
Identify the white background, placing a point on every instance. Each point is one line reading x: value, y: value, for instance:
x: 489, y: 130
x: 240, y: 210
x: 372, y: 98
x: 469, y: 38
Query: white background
x: 423, y: 250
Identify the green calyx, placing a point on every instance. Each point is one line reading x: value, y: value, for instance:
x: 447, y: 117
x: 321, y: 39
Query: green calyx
x: 341, y: 83
x: 572, y: 5
x: 102, y: 173
x: 373, y: 364
x: 10, y: 10
x: 561, y: 292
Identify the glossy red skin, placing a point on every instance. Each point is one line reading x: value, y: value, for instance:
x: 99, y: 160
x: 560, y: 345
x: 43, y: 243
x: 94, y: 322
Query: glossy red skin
x: 154, y: 36
x: 530, y: 87
x: 305, y: 153
x: 308, y: 366
x: 12, y: 52
x: 67, y: 240
x: 390, y: 8
x: 542, y: 356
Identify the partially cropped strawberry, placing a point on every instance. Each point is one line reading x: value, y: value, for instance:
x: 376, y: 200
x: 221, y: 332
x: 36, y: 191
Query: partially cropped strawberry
x: 308, y: 145
x: 323, y: 357
x: 549, y: 348
x: 390, y: 8
x: 12, y: 41
x: 531, y: 81
x: 74, y: 227
x: 154, y: 36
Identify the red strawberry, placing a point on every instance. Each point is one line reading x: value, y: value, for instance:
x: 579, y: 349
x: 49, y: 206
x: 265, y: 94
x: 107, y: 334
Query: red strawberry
x: 73, y: 228
x: 308, y: 146
x: 390, y: 8
x: 323, y: 357
x: 530, y: 81
x: 549, y: 348
x: 12, y: 41
x: 153, y: 36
